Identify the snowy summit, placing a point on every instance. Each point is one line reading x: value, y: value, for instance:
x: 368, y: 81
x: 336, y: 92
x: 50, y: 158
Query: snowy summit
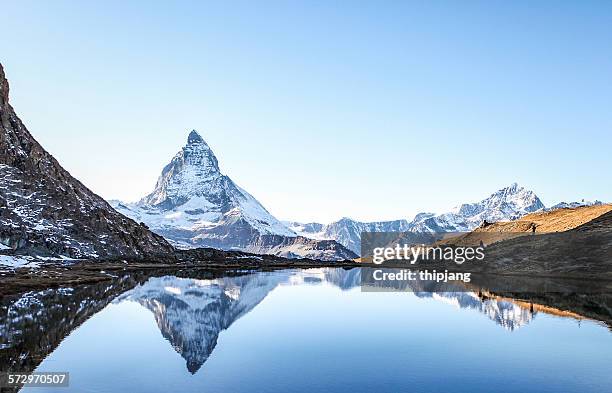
x: 193, y: 204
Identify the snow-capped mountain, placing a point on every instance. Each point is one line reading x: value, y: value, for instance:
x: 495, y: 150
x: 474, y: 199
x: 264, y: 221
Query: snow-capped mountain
x: 44, y: 211
x: 347, y: 231
x: 195, y: 205
x: 193, y: 188
x: 506, y: 204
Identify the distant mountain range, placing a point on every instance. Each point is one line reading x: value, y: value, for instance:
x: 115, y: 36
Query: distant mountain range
x: 506, y: 204
x: 195, y: 205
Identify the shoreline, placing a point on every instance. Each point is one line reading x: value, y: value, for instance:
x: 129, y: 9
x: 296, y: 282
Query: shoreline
x: 567, y: 295
x: 55, y: 275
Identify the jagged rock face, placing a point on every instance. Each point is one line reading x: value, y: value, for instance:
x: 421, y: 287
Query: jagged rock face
x: 195, y: 192
x: 348, y: 232
x: 297, y: 227
x: 506, y: 204
x: 193, y: 172
x: 195, y: 205
x: 45, y: 211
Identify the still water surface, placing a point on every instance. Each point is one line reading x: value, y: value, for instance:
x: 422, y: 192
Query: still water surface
x: 299, y: 331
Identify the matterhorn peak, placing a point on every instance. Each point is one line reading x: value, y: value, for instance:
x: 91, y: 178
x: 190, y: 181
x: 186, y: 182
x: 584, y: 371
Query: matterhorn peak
x: 193, y: 171
x: 198, y: 153
x: 194, y: 137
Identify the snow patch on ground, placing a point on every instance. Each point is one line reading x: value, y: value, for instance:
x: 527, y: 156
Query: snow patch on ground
x: 17, y: 262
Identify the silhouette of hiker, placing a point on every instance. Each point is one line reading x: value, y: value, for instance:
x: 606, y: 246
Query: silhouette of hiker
x: 533, y: 229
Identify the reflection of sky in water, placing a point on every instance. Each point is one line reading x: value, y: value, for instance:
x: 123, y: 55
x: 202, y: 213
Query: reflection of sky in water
x: 295, y: 332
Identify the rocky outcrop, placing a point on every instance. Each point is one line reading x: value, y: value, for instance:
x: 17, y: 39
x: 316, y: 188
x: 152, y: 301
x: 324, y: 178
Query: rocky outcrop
x: 45, y: 211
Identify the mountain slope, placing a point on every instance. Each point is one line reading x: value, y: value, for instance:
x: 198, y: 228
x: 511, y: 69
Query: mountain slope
x: 584, y: 251
x: 45, y: 211
x: 195, y: 205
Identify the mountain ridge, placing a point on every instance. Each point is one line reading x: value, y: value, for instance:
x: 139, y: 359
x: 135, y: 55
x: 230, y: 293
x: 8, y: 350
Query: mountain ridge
x: 507, y: 203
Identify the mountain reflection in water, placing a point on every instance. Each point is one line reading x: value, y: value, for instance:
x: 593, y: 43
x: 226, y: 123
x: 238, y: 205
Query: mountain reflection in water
x: 191, y: 312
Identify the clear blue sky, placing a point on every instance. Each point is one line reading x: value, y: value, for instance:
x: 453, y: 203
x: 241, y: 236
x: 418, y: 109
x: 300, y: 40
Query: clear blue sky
x: 373, y: 110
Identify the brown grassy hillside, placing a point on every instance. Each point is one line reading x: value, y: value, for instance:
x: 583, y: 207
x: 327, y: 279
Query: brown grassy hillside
x: 559, y: 220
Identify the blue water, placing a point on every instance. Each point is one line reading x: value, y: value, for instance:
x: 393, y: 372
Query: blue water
x: 309, y: 331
